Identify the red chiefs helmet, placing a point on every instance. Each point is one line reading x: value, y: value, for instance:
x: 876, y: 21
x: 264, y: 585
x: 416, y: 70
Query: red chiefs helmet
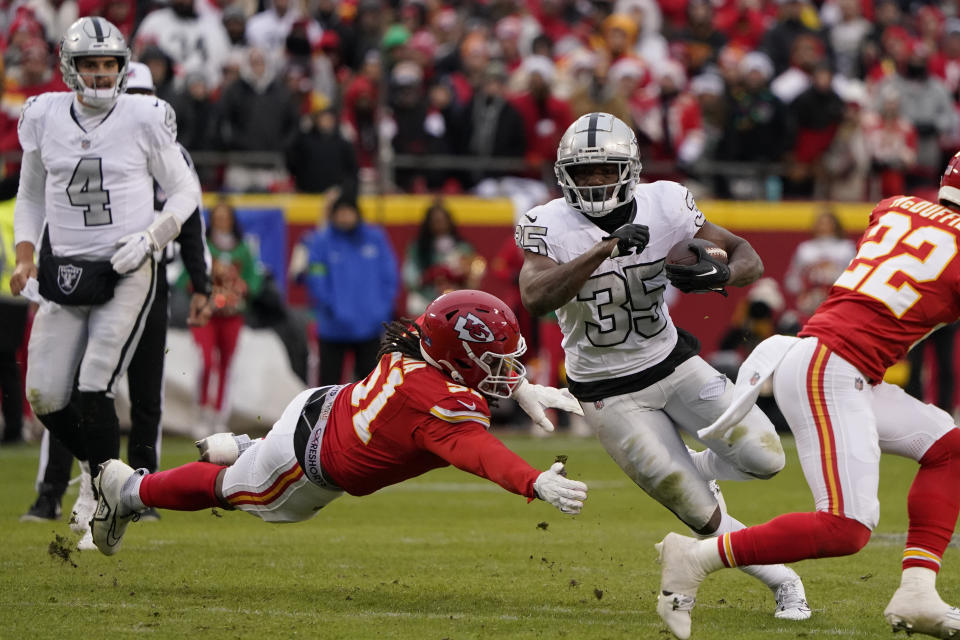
x: 474, y: 338
x: 950, y: 182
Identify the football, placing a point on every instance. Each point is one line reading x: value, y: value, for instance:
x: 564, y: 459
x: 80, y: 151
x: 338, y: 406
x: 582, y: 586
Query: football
x: 681, y: 254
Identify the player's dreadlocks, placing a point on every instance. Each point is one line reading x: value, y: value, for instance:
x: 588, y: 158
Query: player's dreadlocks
x: 401, y: 335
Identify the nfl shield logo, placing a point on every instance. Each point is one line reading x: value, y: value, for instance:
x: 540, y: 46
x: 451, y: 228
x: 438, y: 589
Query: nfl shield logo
x: 858, y: 384
x: 68, y: 277
x: 755, y: 378
x: 598, y: 405
x: 84, y: 144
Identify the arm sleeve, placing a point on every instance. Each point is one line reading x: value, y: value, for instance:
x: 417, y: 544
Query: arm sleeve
x: 193, y: 252
x: 167, y: 164
x: 28, y: 211
x: 471, y: 448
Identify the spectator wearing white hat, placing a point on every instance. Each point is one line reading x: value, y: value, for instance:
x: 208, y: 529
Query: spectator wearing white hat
x: 755, y: 128
x: 545, y: 116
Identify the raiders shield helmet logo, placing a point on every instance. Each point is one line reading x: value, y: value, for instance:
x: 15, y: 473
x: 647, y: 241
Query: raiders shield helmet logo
x: 473, y: 329
x: 68, y: 277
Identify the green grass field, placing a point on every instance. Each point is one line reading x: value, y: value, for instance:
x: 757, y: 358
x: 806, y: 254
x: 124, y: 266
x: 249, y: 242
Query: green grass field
x: 446, y: 555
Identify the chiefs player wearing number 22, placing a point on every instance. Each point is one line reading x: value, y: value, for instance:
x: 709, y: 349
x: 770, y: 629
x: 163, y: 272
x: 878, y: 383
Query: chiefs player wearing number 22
x: 903, y: 283
x: 424, y: 406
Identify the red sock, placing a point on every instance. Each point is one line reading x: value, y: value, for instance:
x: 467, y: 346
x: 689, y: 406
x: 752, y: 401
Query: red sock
x: 933, y: 503
x: 188, y: 488
x: 792, y: 537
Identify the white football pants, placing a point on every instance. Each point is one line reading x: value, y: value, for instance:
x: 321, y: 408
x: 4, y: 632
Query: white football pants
x: 641, y: 432
x: 100, y: 339
x: 841, y: 424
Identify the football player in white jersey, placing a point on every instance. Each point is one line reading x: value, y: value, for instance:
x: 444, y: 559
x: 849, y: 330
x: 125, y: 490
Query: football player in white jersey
x: 86, y: 198
x: 597, y: 257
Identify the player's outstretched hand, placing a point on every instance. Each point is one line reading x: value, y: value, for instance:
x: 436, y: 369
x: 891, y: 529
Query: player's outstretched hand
x: 534, y: 398
x: 629, y: 237
x: 132, y: 252
x: 554, y: 487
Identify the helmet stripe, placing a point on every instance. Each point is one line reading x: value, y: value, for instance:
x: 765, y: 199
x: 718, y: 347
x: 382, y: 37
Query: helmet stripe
x: 98, y: 29
x: 592, y: 130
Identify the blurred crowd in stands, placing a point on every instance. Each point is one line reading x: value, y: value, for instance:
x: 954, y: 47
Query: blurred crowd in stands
x: 839, y: 99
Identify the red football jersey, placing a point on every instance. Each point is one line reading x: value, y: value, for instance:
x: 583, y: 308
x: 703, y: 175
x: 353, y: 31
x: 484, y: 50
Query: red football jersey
x: 406, y: 418
x: 902, y: 284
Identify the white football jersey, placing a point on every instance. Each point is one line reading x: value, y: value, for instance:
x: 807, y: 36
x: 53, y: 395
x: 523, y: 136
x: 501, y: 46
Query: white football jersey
x: 98, y: 184
x: 618, y: 324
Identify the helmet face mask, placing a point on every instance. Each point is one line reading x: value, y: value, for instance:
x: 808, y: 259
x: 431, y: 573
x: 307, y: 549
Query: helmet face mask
x: 93, y: 37
x: 597, y: 139
x: 474, y: 338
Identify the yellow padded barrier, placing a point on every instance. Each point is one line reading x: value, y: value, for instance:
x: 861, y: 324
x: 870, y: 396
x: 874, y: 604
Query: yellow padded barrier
x: 471, y: 211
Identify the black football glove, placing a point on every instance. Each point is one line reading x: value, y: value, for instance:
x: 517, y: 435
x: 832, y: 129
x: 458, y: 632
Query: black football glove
x: 629, y: 237
x: 706, y: 275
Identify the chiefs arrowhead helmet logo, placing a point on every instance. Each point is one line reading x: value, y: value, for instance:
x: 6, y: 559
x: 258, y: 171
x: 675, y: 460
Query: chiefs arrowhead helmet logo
x: 473, y: 329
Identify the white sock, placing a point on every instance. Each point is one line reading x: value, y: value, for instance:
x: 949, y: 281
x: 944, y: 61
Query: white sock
x: 130, y: 493
x: 919, y: 579
x: 710, y: 466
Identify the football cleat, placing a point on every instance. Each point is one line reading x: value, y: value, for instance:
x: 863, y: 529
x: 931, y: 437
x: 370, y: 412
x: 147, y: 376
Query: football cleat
x: 46, y: 508
x: 924, y: 612
x: 86, y: 542
x: 680, y: 577
x: 791, y: 601
x: 85, y: 505
x: 111, y: 519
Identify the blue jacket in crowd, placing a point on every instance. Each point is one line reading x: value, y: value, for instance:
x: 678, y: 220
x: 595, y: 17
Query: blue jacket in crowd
x: 352, y: 282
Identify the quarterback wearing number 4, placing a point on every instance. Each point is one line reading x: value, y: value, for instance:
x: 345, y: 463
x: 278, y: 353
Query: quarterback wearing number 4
x: 903, y: 283
x: 89, y: 161
x: 598, y: 256
x: 423, y: 407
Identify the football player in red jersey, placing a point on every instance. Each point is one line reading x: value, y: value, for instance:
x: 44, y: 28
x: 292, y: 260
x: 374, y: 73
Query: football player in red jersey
x: 423, y: 407
x: 903, y: 283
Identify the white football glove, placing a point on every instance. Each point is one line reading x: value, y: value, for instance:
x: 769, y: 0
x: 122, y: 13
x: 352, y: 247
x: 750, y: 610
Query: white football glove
x: 134, y: 249
x: 534, y: 398
x: 554, y: 487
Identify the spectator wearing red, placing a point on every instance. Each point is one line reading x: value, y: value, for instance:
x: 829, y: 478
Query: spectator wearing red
x: 236, y: 279
x: 671, y: 124
x: 743, y: 22
x: 362, y: 115
x: 815, y: 116
x: 122, y: 13
x: 545, y: 117
x: 945, y: 61
x: 891, y: 142
x: 34, y: 75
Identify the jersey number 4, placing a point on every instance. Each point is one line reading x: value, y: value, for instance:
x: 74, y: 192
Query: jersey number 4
x: 86, y: 190
x: 873, y: 279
